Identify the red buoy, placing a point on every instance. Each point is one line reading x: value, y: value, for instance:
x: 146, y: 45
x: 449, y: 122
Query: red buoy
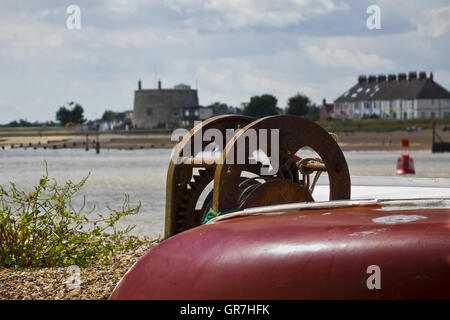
x: 405, y: 164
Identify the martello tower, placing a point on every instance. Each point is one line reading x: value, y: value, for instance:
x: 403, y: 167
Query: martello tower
x: 160, y: 107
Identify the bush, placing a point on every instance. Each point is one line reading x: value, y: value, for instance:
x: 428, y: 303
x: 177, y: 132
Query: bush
x: 261, y: 106
x: 372, y: 116
x: 42, y: 229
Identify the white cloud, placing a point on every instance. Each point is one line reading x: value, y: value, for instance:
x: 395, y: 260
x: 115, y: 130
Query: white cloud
x: 239, y: 14
x: 20, y: 34
x: 235, y: 80
x: 139, y: 38
x: 123, y: 6
x: 435, y: 22
x: 346, y: 58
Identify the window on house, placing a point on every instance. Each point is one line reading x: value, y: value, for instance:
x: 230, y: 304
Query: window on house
x: 175, y: 111
x: 149, y: 111
x: 186, y: 112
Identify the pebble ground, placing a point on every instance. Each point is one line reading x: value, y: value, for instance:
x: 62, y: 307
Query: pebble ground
x: 97, y: 281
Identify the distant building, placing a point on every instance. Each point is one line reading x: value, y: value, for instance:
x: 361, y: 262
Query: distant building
x: 394, y: 96
x: 121, y: 120
x: 165, y: 108
x: 182, y: 86
x: 191, y: 115
x: 206, y: 113
x: 327, y: 110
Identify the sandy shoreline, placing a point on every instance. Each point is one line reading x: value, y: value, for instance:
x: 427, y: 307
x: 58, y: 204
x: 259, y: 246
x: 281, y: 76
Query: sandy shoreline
x: 107, y: 141
x: 130, y: 141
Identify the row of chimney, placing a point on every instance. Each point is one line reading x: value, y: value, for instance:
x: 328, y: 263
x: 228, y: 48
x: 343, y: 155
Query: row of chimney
x: 392, y: 77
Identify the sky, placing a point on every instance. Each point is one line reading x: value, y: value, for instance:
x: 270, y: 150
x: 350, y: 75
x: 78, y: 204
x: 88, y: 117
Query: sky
x: 229, y: 50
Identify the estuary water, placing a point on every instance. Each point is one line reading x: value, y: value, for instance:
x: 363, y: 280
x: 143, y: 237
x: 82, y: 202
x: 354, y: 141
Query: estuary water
x: 142, y: 175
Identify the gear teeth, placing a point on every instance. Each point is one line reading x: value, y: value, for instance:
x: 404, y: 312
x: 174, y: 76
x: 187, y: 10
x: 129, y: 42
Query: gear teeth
x: 192, y: 185
x: 188, y: 198
x: 182, y: 215
x: 183, y: 205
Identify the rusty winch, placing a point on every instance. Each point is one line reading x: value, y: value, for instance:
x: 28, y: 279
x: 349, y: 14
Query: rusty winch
x: 201, y: 185
x: 271, y: 250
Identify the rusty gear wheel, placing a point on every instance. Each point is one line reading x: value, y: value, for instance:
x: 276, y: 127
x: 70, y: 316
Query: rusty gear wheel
x: 294, y: 133
x: 183, y: 187
x: 188, y: 201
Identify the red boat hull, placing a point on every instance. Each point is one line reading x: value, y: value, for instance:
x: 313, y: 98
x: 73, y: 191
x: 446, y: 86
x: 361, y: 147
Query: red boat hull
x: 310, y: 254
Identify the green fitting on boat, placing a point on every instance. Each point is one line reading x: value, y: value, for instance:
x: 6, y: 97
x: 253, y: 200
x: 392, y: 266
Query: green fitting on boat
x: 212, y: 214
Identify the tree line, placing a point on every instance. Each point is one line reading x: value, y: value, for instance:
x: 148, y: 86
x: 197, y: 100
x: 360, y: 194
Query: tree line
x: 259, y: 106
x: 267, y: 105
x: 22, y: 123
